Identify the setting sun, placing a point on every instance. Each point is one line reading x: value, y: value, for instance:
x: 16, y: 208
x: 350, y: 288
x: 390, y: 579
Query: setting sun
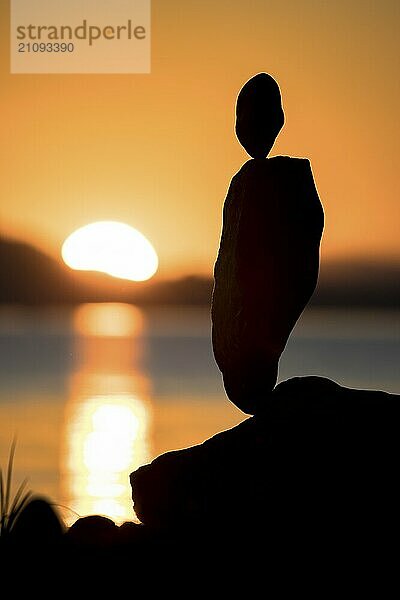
x: 113, y: 248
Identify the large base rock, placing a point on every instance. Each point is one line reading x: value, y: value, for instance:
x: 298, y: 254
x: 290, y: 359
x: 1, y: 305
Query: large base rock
x: 319, y: 465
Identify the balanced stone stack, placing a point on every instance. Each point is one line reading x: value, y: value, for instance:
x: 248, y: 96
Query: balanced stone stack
x: 316, y: 466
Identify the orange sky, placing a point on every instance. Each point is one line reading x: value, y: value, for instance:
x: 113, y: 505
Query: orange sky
x: 158, y: 151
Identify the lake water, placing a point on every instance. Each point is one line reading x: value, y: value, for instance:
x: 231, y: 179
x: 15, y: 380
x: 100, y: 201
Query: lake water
x: 95, y: 391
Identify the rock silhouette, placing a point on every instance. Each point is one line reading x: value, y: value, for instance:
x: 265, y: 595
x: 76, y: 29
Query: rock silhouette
x: 315, y: 467
x: 308, y: 478
x: 268, y: 261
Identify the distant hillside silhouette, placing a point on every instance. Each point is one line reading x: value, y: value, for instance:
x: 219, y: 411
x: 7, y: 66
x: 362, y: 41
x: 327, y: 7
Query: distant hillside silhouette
x: 358, y: 283
x: 28, y: 276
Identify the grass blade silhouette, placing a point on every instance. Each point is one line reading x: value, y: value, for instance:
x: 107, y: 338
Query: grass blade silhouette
x: 9, y: 477
x: 9, y: 514
x: 2, y: 516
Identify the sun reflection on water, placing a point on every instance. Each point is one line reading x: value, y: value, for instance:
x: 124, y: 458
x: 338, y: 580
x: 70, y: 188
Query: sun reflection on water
x: 109, y: 320
x: 107, y: 431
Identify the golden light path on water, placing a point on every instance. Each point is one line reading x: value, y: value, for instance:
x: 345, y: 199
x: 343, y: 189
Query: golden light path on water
x: 108, y: 417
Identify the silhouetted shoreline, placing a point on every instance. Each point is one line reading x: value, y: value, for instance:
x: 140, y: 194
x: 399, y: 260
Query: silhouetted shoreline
x: 307, y: 489
x: 32, y: 278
